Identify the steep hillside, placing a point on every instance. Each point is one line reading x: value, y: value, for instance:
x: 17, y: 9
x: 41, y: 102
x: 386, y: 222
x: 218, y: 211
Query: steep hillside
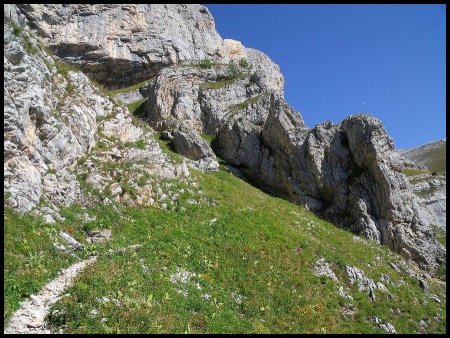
x: 126, y: 128
x: 431, y: 155
x: 248, y: 262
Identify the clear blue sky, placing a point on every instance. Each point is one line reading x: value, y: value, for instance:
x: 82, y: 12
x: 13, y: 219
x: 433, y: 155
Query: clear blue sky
x: 338, y: 60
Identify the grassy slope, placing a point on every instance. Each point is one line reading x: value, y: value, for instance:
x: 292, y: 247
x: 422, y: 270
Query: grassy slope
x: 260, y: 247
x: 436, y: 159
x: 30, y: 259
x: 433, y: 157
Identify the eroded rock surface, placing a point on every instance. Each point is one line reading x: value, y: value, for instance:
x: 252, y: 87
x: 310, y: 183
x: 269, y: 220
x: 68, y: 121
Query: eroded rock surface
x: 54, y: 120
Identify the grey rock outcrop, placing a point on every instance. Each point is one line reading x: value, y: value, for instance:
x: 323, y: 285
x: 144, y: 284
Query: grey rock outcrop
x: 192, y: 146
x: 387, y: 327
x: 49, y: 122
x: 349, y: 172
x: 430, y: 184
x: 53, y: 119
x: 364, y: 283
x: 120, y: 44
x: 322, y: 268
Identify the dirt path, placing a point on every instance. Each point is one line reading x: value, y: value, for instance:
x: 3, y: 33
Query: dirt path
x: 30, y: 317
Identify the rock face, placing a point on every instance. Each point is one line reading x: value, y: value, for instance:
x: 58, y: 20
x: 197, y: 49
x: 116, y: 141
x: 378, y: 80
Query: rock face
x: 430, y: 187
x: 53, y: 118
x: 50, y: 121
x: 119, y: 44
x: 348, y: 172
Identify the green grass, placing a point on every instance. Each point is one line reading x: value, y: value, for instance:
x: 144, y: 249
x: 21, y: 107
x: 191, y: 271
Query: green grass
x: 219, y: 84
x: 70, y: 88
x: 16, y: 28
x: 137, y: 107
x: 245, y: 104
x: 29, y: 46
x: 440, y: 234
x: 30, y: 258
x: 130, y: 88
x: 206, y: 64
x: 207, y: 137
x: 418, y: 180
x: 139, y: 144
x: 64, y: 68
x: 259, y: 248
x: 436, y: 159
x: 426, y: 192
x: 413, y: 172
x: 167, y: 148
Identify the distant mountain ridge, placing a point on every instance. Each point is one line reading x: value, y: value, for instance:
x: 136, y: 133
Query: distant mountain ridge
x: 431, y: 155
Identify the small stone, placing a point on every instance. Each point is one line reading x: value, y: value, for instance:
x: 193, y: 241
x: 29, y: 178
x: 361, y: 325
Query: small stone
x: 423, y: 284
x: 322, y: 268
x: 435, y: 298
x: 35, y: 323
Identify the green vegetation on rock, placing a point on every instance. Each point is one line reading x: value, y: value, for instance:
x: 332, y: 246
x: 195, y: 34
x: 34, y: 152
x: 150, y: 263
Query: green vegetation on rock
x: 413, y: 172
x: 208, y: 137
x: 219, y: 84
x: 137, y: 107
x: 135, y: 86
x: 245, y: 104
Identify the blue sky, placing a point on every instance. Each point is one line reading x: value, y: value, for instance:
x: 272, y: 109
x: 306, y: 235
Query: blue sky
x: 338, y: 60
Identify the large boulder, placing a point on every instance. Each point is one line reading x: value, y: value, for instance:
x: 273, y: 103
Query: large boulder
x: 189, y: 144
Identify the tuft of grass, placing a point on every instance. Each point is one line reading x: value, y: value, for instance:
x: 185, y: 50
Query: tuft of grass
x: 64, y: 68
x: 135, y: 86
x: 208, y: 137
x: 51, y: 171
x: 70, y: 88
x: 137, y: 108
x: 29, y: 45
x: 440, y: 234
x: 16, y: 28
x: 243, y: 63
x: 244, y: 104
x: 219, y: 84
x: 139, y: 144
x: 425, y: 192
x: 413, y: 172
x: 206, y: 64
